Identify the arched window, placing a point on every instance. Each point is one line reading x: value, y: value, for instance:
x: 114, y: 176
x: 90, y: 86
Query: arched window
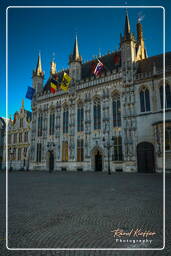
x: 161, y: 96
x: 40, y: 122
x: 144, y: 99
x: 52, y: 124
x: 39, y: 152
x: 167, y: 98
x: 116, y: 111
x: 168, y: 138
x: 65, y: 120
x: 97, y: 114
x: 117, y: 153
x: 80, y: 150
x: 65, y: 151
x: 80, y: 118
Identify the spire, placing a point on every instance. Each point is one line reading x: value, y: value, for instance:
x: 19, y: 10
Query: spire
x: 139, y: 30
x: 38, y: 71
x: 127, y: 26
x: 53, y: 67
x: 22, y: 105
x: 75, y: 56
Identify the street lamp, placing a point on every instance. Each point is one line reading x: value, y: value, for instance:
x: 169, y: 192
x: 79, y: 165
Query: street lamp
x: 108, y: 145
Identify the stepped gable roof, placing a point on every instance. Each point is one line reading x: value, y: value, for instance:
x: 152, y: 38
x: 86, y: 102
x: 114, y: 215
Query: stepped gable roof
x: 146, y: 65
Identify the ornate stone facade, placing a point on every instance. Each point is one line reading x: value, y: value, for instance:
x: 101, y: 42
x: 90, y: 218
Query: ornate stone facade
x: 105, y: 120
x: 18, y: 140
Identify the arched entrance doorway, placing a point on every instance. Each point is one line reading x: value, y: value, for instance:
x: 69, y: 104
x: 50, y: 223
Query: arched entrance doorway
x: 51, y: 161
x: 145, y: 157
x: 98, y: 161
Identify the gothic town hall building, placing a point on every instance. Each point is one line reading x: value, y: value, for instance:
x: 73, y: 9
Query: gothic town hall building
x: 115, y: 119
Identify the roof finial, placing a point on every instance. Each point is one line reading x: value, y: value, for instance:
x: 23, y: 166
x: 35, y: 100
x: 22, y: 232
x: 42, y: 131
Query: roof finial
x: 39, y: 71
x: 75, y: 56
x: 127, y: 25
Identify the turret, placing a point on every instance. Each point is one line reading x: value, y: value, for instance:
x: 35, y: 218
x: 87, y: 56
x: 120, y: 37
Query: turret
x: 38, y: 76
x: 75, y: 62
x: 53, y: 67
x: 128, y: 42
x: 141, y: 51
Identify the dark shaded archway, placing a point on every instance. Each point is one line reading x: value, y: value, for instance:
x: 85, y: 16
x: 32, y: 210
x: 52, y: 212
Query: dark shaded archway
x: 98, y: 161
x: 145, y: 157
x: 51, y: 161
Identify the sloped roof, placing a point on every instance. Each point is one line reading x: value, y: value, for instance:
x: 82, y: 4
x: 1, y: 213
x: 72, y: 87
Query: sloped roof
x: 143, y: 66
x: 146, y: 65
x: 87, y: 68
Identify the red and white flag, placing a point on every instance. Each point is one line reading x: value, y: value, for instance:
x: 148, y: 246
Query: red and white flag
x: 99, y: 68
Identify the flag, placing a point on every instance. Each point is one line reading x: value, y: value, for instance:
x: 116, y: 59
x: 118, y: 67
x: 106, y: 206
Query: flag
x: 53, y: 87
x: 99, y: 68
x: 93, y: 66
x: 65, y: 81
x: 30, y: 93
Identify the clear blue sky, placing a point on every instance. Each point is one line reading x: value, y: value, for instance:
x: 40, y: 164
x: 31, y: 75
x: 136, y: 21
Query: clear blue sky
x: 53, y: 31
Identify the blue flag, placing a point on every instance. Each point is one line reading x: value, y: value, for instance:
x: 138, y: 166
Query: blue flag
x: 30, y: 93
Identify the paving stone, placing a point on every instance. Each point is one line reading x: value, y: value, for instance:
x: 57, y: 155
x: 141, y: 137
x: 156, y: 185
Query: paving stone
x: 79, y: 210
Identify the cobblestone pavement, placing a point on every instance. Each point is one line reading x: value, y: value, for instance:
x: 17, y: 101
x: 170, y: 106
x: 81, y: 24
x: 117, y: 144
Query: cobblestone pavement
x: 79, y: 210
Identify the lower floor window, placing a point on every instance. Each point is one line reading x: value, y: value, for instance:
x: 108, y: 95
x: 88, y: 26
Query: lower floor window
x: 65, y: 151
x: 19, y: 154
x: 80, y: 150
x: 39, y: 152
x: 168, y: 138
x: 117, y: 151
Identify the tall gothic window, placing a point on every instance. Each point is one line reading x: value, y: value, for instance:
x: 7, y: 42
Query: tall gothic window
x: 97, y: 114
x: 21, y: 122
x: 52, y: 124
x: 20, y: 137
x: 116, y: 111
x: 117, y: 154
x: 39, y: 152
x: 80, y: 150
x: 19, y: 154
x: 65, y: 151
x: 167, y: 98
x: 15, y: 137
x: 9, y: 138
x: 40, y: 123
x: 168, y: 138
x: 25, y: 136
x: 65, y: 120
x: 80, y: 118
x: 144, y: 99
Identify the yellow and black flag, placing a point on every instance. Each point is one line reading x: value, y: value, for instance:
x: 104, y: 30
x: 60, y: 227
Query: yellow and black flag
x: 65, y: 81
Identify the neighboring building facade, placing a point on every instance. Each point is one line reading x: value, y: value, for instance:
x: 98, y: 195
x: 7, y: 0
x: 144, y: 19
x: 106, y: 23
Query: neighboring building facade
x: 2, y: 141
x: 18, y: 140
x: 115, y: 118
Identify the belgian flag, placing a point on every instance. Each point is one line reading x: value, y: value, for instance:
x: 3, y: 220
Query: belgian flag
x: 53, y: 85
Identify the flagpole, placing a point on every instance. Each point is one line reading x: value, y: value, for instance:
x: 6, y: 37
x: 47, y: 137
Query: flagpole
x: 104, y: 65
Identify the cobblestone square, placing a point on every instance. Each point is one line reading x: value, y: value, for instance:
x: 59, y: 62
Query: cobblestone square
x: 79, y: 210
